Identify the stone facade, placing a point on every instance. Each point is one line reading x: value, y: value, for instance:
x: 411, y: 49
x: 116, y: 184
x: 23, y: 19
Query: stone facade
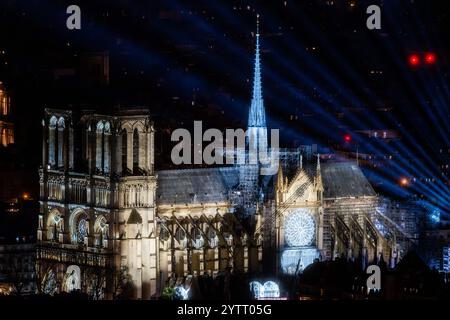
x: 105, y: 211
x: 98, y: 206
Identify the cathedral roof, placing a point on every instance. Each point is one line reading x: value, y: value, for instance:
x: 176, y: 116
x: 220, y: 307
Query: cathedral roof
x: 203, y: 185
x: 345, y: 180
x: 208, y: 185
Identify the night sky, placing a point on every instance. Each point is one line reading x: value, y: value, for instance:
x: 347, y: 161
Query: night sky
x: 325, y: 75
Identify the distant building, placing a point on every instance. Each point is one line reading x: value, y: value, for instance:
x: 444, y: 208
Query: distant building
x: 6, y: 126
x: 12, y: 177
x: 17, y: 214
x: 446, y: 259
x: 380, y: 134
x: 17, y: 273
x: 17, y: 248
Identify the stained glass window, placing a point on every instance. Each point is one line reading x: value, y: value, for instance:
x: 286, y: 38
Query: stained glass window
x: 82, y: 229
x: 299, y: 228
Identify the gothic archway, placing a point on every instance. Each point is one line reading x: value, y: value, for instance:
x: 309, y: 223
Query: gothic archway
x: 79, y: 226
x: 101, y: 231
x: 49, y: 282
x: 72, y: 279
x: 54, y: 224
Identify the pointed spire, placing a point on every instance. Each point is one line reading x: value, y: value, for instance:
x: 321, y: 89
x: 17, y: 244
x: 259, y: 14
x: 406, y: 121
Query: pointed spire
x: 257, y: 116
x: 301, y: 161
x: 257, y: 24
x: 318, y: 163
x: 280, y: 179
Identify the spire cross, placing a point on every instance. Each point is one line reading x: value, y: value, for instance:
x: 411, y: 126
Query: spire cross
x: 257, y: 24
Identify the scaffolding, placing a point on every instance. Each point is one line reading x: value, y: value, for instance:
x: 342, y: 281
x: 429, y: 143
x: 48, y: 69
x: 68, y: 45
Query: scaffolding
x: 403, y: 213
x: 249, y: 193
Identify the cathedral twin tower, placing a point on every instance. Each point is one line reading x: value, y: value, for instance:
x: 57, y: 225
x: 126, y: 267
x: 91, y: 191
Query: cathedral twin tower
x: 97, y: 188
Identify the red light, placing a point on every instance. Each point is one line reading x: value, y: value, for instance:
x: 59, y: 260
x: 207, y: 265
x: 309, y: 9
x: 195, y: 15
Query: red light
x: 430, y: 58
x: 347, y: 138
x: 404, y: 182
x: 414, y: 60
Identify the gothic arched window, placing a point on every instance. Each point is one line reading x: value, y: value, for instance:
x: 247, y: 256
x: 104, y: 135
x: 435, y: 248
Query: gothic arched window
x: 72, y: 279
x: 106, y: 147
x: 49, y: 283
x: 163, y: 232
x: 99, y: 146
x: 197, y: 239
x: 60, y: 142
x: 79, y: 226
x: 103, y: 154
x: 226, y: 233
x: 101, y: 231
x: 212, y: 236
x: 100, y: 225
x: 124, y: 151
x: 135, y: 149
x: 54, y: 225
x: 52, y: 146
x: 180, y: 235
x: 82, y: 231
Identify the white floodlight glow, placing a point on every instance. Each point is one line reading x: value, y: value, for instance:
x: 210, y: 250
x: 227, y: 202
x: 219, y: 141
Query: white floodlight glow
x: 181, y: 293
x: 299, y: 228
x: 270, y: 289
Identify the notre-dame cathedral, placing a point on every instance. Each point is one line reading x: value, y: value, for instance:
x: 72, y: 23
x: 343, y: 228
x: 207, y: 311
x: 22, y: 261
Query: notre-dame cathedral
x: 105, y: 210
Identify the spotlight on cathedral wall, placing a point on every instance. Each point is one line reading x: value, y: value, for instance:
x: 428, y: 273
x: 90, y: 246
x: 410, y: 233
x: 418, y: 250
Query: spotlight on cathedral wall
x: 181, y: 293
x: 270, y: 290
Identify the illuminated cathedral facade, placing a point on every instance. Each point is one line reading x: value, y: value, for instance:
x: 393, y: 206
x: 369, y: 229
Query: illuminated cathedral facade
x: 107, y: 215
